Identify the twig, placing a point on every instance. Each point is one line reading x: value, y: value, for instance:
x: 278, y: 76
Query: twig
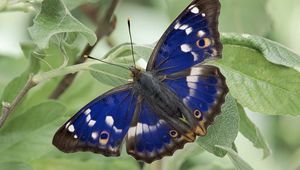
x: 8, y: 108
x: 105, y: 27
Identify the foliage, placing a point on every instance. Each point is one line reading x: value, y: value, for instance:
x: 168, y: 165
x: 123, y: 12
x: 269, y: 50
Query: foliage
x: 261, y: 74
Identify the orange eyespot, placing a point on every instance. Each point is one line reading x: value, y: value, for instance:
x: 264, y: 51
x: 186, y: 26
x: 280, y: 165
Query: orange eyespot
x: 104, y: 137
x: 197, y: 114
x: 203, y: 43
x: 173, y: 133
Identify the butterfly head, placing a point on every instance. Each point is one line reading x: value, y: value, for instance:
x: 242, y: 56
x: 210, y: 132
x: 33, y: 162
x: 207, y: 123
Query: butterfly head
x: 135, y: 72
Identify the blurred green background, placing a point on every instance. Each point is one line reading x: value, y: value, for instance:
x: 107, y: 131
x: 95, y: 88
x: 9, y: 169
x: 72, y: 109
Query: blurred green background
x: 277, y: 20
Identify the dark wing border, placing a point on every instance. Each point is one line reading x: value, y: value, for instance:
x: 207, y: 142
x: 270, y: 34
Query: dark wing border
x: 212, y: 10
x: 70, y: 145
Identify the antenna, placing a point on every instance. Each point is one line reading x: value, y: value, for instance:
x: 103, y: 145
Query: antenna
x: 87, y: 56
x: 129, y: 29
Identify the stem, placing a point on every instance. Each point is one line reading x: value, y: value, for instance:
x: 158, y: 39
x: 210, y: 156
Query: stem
x: 9, y: 108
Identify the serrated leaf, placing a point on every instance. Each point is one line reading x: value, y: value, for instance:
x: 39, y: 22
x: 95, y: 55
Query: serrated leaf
x: 238, y: 162
x: 258, y: 84
x: 23, y: 129
x: 55, y: 18
x: 14, y: 166
x: 224, y: 130
x: 272, y: 51
x: 252, y: 133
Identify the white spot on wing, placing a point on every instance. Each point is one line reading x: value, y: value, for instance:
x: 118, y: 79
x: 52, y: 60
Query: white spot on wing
x: 75, y: 136
x: 139, y: 128
x: 189, y: 30
x: 195, y: 55
x: 192, y: 79
x: 94, y: 135
x: 185, y: 48
x: 200, y: 33
x: 67, y: 125
x: 196, y: 71
x: 91, y: 123
x: 131, y: 132
x: 183, y: 27
x: 145, y: 128
x: 152, y: 128
x: 203, y: 14
x: 117, y: 130
x: 88, y: 118
x: 192, y: 85
x: 177, y: 25
x: 195, y: 10
x: 88, y: 111
x: 191, y: 6
x: 109, y: 120
x: 71, y: 128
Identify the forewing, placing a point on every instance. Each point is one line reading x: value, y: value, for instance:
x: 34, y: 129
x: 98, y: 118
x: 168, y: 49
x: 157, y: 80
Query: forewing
x: 101, y: 125
x: 152, y: 137
x: 192, y: 38
x: 202, y: 88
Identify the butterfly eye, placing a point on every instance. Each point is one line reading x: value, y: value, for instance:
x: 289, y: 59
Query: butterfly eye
x: 103, y: 138
x: 203, y: 43
x: 173, y: 133
x: 197, y: 114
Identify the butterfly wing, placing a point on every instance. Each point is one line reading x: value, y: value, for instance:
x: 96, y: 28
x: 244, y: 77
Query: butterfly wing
x: 101, y: 125
x: 202, y: 88
x: 192, y: 38
x: 152, y: 137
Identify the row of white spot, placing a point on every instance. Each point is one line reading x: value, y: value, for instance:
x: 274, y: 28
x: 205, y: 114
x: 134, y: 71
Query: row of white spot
x: 143, y: 128
x: 108, y: 120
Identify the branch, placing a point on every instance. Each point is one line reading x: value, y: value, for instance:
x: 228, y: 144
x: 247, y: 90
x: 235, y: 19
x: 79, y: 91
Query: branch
x: 105, y: 27
x: 8, y: 108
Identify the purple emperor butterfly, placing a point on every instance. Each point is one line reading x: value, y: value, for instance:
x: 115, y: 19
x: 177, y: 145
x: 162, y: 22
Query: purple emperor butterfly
x: 166, y: 106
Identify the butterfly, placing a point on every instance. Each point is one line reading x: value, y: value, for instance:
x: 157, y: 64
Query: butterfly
x: 165, y: 106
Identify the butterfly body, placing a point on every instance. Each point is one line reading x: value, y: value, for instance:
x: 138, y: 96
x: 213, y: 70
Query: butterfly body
x: 166, y: 106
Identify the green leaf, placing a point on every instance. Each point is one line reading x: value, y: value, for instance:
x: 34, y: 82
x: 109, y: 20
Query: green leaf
x: 176, y: 161
x: 224, y: 130
x: 55, y: 18
x: 110, y: 75
x: 91, y: 164
x: 252, y: 133
x: 14, y: 166
x: 122, y: 55
x: 272, y: 51
x: 71, y: 4
x: 19, y: 139
x: 9, y: 69
x: 238, y: 162
x: 239, y: 16
x: 29, y: 50
x: 258, y: 84
x: 14, y: 87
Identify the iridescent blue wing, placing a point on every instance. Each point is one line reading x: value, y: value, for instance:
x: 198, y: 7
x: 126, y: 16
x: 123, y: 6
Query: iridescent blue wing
x: 152, y: 137
x: 191, y: 39
x: 101, y: 125
x: 203, y: 89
